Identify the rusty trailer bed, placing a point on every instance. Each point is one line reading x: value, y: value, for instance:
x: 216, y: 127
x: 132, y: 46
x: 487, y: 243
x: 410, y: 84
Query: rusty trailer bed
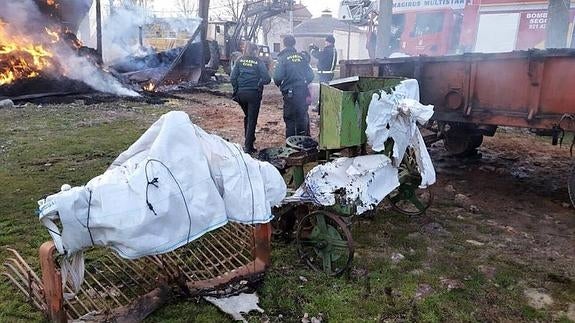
x: 531, y: 89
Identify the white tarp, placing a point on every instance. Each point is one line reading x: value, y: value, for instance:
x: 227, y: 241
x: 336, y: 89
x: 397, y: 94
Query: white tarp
x: 396, y: 116
x: 175, y: 183
x: 366, y: 180
x: 361, y: 181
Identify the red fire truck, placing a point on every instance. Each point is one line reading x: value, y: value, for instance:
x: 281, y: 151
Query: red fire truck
x: 440, y: 27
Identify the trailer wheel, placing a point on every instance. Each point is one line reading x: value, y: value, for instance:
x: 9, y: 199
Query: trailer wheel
x: 571, y: 186
x: 324, y: 242
x: 462, y: 143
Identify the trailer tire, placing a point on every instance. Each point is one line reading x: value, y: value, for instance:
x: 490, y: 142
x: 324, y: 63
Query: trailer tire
x: 571, y: 186
x: 461, y: 143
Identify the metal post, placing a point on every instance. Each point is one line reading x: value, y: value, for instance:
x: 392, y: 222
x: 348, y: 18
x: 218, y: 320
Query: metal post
x: 298, y: 175
x: 203, y: 11
x: 384, y: 28
x: 99, y: 32
x: 291, y: 21
x: 557, y: 23
x: 348, y: 38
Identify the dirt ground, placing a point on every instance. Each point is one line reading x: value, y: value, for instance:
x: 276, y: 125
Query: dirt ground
x: 511, y: 198
x: 224, y: 117
x: 496, y: 245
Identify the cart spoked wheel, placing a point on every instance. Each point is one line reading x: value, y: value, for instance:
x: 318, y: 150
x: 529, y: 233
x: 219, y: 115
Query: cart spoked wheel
x: 408, y: 198
x: 411, y: 200
x: 324, y: 242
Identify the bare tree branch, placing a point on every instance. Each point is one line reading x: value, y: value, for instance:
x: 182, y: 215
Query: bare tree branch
x: 228, y: 9
x: 187, y: 8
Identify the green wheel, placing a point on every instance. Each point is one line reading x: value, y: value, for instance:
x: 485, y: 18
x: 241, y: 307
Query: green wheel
x: 408, y: 198
x: 324, y: 242
x: 411, y: 200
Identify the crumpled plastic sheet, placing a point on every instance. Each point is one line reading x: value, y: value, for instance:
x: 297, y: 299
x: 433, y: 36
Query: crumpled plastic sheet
x: 396, y: 116
x: 236, y: 305
x: 362, y: 181
x: 366, y: 180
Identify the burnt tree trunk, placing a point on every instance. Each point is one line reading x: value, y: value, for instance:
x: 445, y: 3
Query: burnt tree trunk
x: 557, y: 23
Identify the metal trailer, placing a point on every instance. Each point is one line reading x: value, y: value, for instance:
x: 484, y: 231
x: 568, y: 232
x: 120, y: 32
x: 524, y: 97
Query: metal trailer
x: 322, y: 234
x: 475, y: 93
x: 121, y: 290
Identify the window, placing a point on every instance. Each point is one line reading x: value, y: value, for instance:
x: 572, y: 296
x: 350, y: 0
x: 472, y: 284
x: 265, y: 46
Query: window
x: 428, y: 23
x: 277, y: 47
x: 397, y: 26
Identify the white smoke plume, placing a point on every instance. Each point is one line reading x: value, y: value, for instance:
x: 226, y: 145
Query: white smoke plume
x: 120, y: 32
x: 23, y: 18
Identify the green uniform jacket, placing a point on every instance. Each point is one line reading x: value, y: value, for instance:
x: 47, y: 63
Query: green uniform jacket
x: 292, y: 70
x: 249, y: 74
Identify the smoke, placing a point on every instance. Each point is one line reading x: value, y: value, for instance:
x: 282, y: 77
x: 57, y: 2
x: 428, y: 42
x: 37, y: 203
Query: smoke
x: 80, y: 69
x: 24, y: 20
x: 120, y: 32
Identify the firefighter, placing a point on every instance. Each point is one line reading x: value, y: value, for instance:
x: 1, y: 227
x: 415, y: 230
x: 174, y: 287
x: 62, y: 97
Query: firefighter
x: 293, y: 74
x: 326, y: 59
x: 248, y: 78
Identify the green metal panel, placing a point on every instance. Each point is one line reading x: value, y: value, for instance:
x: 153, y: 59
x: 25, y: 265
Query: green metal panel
x: 343, y: 109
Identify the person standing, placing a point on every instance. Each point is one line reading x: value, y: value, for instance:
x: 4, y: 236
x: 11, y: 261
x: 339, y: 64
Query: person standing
x: 326, y: 59
x: 248, y: 78
x: 292, y: 75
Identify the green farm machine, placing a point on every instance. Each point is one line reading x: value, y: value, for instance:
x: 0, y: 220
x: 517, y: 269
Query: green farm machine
x: 322, y: 234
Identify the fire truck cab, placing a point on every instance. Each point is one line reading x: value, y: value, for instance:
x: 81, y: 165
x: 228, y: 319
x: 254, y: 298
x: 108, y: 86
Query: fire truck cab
x: 438, y: 28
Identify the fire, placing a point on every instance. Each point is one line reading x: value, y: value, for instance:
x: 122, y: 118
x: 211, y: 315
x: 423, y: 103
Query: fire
x: 54, y: 35
x: 20, y: 57
x: 149, y: 87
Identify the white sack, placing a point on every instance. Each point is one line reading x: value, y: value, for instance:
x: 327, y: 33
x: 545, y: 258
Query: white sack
x: 396, y: 116
x: 197, y: 182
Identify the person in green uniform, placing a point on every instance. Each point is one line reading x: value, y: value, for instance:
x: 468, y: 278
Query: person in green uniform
x: 293, y: 74
x: 248, y: 78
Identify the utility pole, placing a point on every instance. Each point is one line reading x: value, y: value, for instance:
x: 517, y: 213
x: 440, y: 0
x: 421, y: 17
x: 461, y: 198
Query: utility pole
x: 204, y: 10
x: 557, y: 23
x: 99, y: 32
x: 204, y: 13
x: 384, y: 28
x: 291, y: 20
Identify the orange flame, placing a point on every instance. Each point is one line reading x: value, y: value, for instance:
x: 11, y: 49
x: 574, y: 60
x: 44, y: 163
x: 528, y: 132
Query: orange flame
x: 54, y: 35
x: 20, y: 57
x: 149, y: 87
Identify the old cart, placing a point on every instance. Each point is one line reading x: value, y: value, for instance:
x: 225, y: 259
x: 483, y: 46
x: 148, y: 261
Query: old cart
x: 322, y: 234
x: 473, y: 94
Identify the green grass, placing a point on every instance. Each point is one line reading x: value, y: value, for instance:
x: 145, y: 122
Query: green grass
x: 41, y: 149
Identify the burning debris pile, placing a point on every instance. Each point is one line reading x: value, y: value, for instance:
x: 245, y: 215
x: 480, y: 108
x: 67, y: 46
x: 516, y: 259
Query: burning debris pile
x: 21, y: 57
x: 38, y: 53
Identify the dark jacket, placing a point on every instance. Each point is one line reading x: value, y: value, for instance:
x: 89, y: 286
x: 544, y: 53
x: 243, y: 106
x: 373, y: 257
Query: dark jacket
x: 292, y: 70
x: 249, y: 74
x: 326, y: 58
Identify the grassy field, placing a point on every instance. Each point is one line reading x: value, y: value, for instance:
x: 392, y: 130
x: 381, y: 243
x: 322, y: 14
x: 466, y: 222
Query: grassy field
x: 440, y: 278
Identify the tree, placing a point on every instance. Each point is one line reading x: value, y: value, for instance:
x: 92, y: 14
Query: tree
x: 267, y: 26
x: 228, y: 9
x: 188, y: 8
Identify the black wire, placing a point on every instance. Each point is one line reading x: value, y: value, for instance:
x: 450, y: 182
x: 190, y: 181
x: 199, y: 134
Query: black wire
x: 88, y: 218
x: 54, y: 232
x: 249, y: 179
x: 154, y: 183
x: 252, y: 191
